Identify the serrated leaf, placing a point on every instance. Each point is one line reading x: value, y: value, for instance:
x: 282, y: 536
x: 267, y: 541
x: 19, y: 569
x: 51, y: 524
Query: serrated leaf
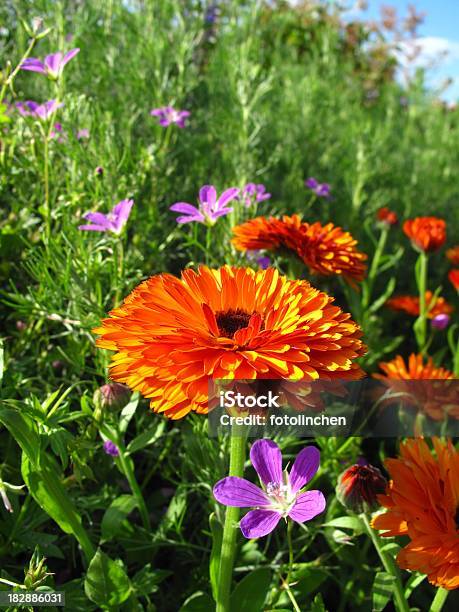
x: 106, y: 582
x: 383, y: 588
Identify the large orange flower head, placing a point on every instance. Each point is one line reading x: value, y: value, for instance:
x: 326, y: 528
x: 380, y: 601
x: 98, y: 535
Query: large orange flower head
x: 325, y: 249
x: 426, y: 233
x: 414, y: 369
x: 453, y: 255
x: 171, y: 335
x: 410, y: 304
x: 422, y: 501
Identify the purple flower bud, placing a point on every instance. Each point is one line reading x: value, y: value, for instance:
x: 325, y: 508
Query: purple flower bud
x: 99, y: 171
x: 111, y: 449
x: 440, y: 322
x: 112, y: 395
x: 21, y: 325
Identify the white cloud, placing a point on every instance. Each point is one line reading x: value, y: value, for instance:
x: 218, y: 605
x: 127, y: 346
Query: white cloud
x: 429, y: 50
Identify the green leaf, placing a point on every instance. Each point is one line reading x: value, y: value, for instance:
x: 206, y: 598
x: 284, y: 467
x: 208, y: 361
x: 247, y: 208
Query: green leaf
x: 45, y: 486
x: 147, y: 579
x: 413, y: 582
x: 346, y: 522
x: 250, y: 593
x: 128, y: 412
x: 24, y: 431
x: 147, y: 437
x: 198, y: 602
x: 106, y: 582
x: 115, y: 515
x: 383, y: 589
x: 214, y: 563
x: 318, y: 604
x: 377, y: 304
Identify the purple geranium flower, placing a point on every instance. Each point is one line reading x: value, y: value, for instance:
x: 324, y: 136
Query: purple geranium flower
x: 280, y: 496
x: 53, y: 64
x: 40, y: 111
x: 111, y: 449
x: 320, y: 189
x: 113, y: 222
x: 168, y: 115
x: 253, y: 193
x: 210, y: 207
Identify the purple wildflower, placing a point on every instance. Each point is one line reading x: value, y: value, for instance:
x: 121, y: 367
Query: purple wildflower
x: 252, y: 194
x: 320, y: 189
x: 111, y: 449
x: 83, y: 134
x: 39, y: 111
x: 52, y: 66
x: 280, y: 496
x: 210, y: 208
x: 113, y: 222
x: 168, y: 115
x: 440, y: 322
x: 57, y: 133
x: 262, y: 260
x: 99, y: 171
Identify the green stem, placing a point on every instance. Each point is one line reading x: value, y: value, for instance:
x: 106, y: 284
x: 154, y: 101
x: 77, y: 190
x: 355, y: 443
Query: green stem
x: 9, y: 81
x: 373, y: 271
x: 389, y: 565
x: 286, y: 583
x: 421, y: 322
x: 46, y: 184
x: 439, y: 600
x: 127, y: 467
x: 236, y: 468
x: 118, y: 260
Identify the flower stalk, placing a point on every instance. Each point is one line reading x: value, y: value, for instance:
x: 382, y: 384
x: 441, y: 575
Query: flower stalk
x: 421, y: 322
x: 389, y: 565
x: 439, y: 600
x: 236, y: 468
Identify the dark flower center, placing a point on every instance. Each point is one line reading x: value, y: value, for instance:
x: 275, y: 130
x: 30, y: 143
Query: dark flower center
x: 230, y: 321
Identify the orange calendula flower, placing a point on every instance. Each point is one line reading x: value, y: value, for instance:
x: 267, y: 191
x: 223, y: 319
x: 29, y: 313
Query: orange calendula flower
x: 325, y: 249
x: 438, y: 400
x: 172, y: 335
x: 426, y: 233
x: 454, y: 278
x: 385, y: 215
x: 453, y: 255
x: 410, y: 304
x: 422, y: 502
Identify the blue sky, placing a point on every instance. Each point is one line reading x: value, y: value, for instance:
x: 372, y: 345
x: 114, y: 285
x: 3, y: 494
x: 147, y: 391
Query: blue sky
x: 438, y: 33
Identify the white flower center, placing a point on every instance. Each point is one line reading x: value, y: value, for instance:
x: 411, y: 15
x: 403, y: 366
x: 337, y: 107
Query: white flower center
x: 281, y: 496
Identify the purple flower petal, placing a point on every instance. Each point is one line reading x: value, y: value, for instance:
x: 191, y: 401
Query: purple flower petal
x: 157, y: 112
x: 68, y: 56
x: 121, y: 213
x: 307, y: 506
x: 184, y: 207
x: 311, y: 183
x: 227, y: 196
x: 53, y: 62
x: 305, y: 466
x: 208, y: 196
x: 221, y: 213
x: 258, y: 523
x: 199, y: 218
x: 33, y: 64
x: 97, y: 218
x: 266, y: 458
x: 239, y: 493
